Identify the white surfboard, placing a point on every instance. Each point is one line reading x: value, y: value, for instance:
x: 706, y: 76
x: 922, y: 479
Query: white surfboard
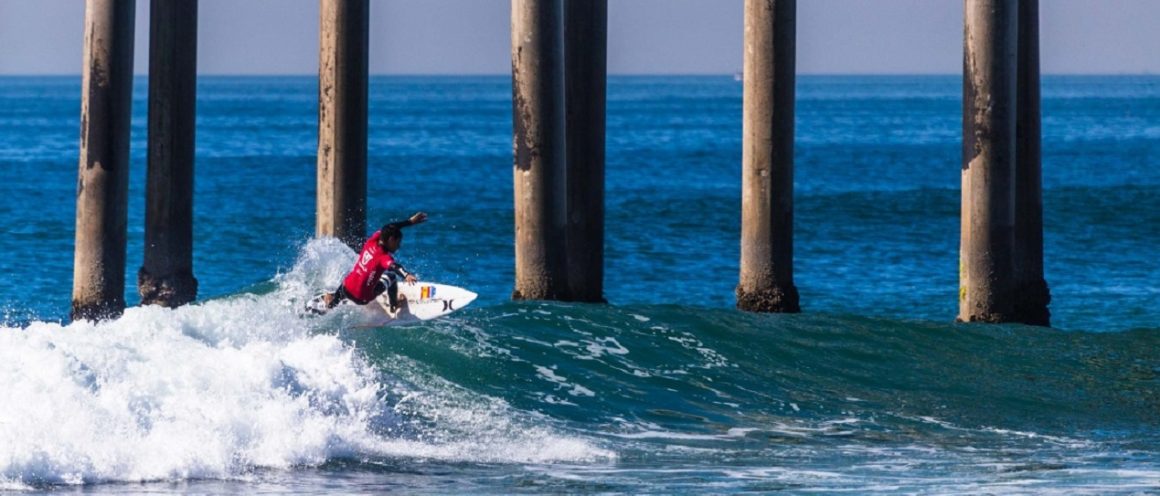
x: 417, y: 302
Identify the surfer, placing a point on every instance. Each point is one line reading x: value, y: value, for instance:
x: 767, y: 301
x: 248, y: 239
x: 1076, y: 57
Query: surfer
x: 364, y: 282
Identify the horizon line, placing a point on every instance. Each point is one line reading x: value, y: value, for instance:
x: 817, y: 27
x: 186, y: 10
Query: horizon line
x: 618, y: 74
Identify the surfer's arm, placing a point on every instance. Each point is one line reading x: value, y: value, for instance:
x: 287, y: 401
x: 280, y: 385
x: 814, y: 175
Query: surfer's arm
x: 418, y: 218
x: 398, y: 268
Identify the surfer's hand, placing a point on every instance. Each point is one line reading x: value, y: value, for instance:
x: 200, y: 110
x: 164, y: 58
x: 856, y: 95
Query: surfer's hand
x: 418, y: 218
x: 411, y: 279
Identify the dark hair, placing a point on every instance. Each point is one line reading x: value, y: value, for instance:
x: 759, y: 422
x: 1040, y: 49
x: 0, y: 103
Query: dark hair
x: 392, y: 230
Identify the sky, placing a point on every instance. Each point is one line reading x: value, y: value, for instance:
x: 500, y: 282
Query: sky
x: 645, y: 36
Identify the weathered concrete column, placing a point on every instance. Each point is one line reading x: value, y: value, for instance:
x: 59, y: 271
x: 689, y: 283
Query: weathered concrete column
x: 987, y: 273
x: 166, y: 277
x: 1031, y: 293
x: 342, y: 120
x: 539, y: 149
x: 585, y: 75
x: 766, y: 283
x: 103, y: 182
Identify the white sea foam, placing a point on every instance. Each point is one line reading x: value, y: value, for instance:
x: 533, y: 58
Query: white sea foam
x: 549, y: 374
x: 215, y: 389
x: 203, y: 391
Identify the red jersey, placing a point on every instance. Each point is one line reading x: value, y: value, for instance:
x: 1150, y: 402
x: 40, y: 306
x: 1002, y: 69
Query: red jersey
x: 372, y: 262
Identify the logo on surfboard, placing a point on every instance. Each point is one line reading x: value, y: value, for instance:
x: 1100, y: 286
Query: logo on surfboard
x: 426, y: 292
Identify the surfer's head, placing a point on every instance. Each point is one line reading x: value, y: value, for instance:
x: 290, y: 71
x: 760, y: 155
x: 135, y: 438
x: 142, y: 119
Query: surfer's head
x: 390, y: 237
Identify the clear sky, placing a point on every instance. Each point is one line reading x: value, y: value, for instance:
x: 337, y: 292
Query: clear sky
x: 645, y: 36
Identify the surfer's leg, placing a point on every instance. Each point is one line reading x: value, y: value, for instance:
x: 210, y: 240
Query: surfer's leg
x: 389, y: 284
x: 333, y: 299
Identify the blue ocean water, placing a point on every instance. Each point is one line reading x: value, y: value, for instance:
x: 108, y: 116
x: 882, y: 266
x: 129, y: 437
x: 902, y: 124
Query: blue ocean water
x: 872, y: 389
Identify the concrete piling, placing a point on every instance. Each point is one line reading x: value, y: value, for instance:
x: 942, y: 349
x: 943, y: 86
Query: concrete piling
x: 987, y: 271
x: 342, y: 120
x: 1031, y: 292
x: 539, y: 149
x: 585, y: 76
x: 559, y: 87
x: 103, y: 178
x: 166, y: 276
x: 766, y: 282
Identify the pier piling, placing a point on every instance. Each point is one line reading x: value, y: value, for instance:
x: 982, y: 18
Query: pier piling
x: 539, y: 149
x: 166, y: 276
x: 103, y: 178
x: 987, y: 269
x: 1031, y: 292
x: 766, y: 282
x: 342, y: 120
x: 585, y: 76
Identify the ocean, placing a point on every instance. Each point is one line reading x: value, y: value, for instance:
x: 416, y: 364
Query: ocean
x: 872, y: 389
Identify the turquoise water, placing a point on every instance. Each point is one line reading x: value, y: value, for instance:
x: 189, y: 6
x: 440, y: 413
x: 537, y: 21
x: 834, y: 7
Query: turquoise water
x: 871, y: 390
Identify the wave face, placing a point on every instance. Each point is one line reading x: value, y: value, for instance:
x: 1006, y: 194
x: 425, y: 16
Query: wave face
x: 573, y: 398
x: 689, y: 396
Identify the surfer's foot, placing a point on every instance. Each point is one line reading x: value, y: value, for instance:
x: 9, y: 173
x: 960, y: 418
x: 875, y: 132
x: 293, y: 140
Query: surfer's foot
x: 317, y: 306
x: 393, y: 311
x: 398, y: 304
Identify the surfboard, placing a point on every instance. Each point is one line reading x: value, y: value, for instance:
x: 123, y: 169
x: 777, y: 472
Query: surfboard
x: 417, y: 302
